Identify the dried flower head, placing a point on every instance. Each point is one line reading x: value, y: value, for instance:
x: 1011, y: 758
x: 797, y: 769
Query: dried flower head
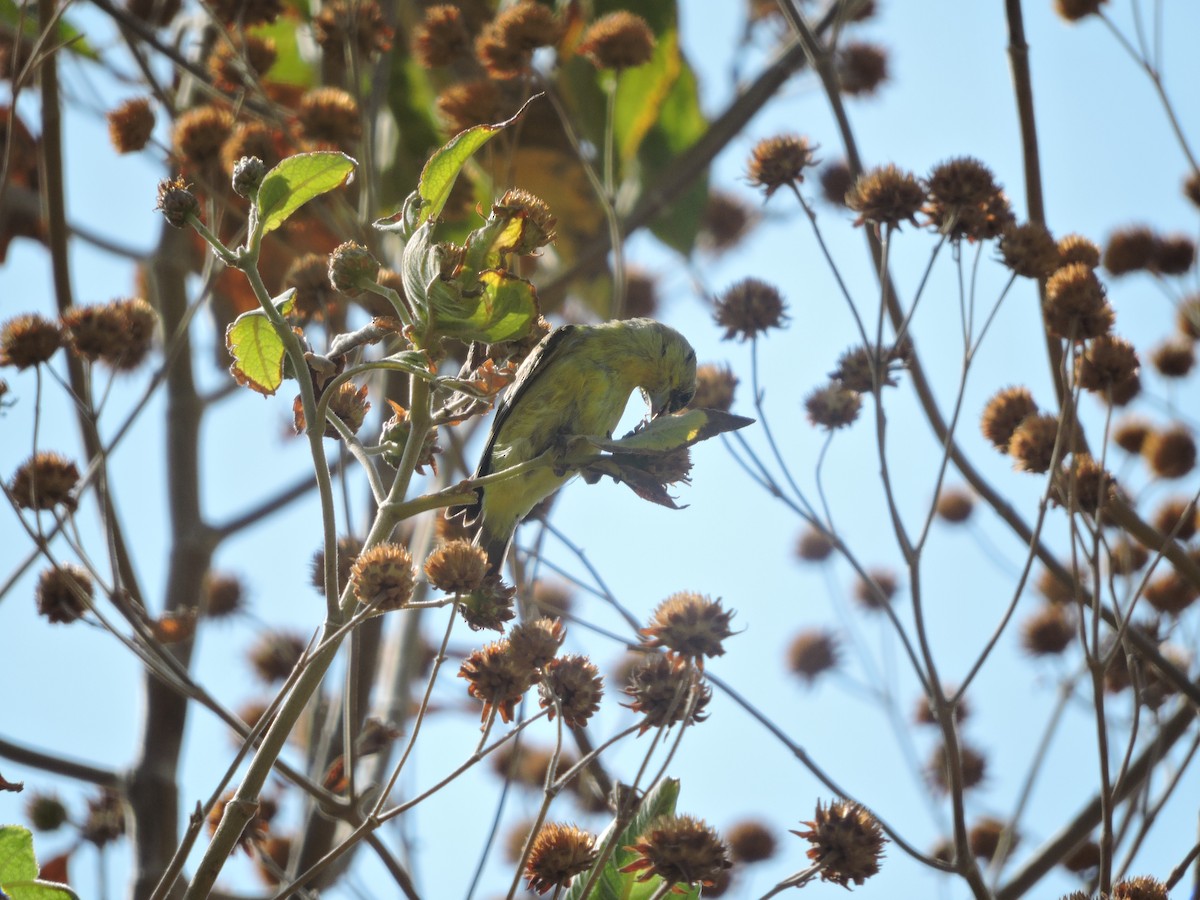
x: 954, y: 505
x: 988, y: 835
x: 1174, y: 358
x: 861, y: 367
x: 680, y: 849
x: 105, y: 820
x: 64, y: 593
x: 441, y: 38
x: 1075, y: 248
x: 534, y: 642
x: 814, y: 545
x: 971, y: 761
x: 1083, y: 859
x: 1029, y: 250
x: 176, y: 201
x: 1074, y: 10
x: 315, y: 298
x: 358, y: 24
x: 45, y: 812
x: 1141, y: 888
x: 715, y: 385
x: 832, y: 406
x: 1176, y: 516
x: 239, y: 64
x: 329, y: 118
x: 1130, y: 250
x: 836, y: 182
x: 1076, y: 306
x: 1049, y: 631
x: 1083, y: 485
x: 118, y: 334
x: 1032, y: 444
x: 725, y: 221
x: 749, y: 308
x: 877, y: 589
x: 1126, y: 557
x: 1170, y: 453
x: 573, y: 686
x: 1174, y: 254
x: 780, y: 161
x: 351, y: 265
x: 619, y: 40
x: 812, y: 652
x: 29, y: 340
x: 252, y: 139
x: 456, y: 567
x: 247, y: 176
x: 559, y: 853
x: 751, y: 841
x: 1105, y: 363
x: 506, y: 44
x: 348, y: 548
x: 965, y: 200
x: 44, y: 481
x: 222, y: 595
x: 660, y: 688
x: 199, y: 133
x: 131, y: 124
x: 1171, y: 594
x: 537, y: 222
x: 469, y: 103
x: 886, y: 196
x: 847, y: 841
x: 861, y: 68
x: 689, y: 625
x: 489, y: 607
x: 276, y: 653
x: 1130, y: 434
x: 382, y: 577
x: 494, y: 677
x: 1191, y: 188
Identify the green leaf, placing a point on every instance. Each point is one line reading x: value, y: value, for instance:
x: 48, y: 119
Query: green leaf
x: 503, y: 311
x: 441, y: 171
x: 666, y: 434
x: 297, y: 180
x: 257, y: 349
x: 290, y: 66
x: 19, y: 869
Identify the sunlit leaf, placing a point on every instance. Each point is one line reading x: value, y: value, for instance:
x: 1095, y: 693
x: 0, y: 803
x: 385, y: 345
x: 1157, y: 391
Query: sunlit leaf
x: 297, y: 180
x: 19, y: 869
x: 257, y: 349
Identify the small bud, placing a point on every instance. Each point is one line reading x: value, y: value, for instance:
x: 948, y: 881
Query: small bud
x: 351, y: 265
x: 835, y: 183
x: 45, y: 812
x: 1130, y: 250
x: 814, y: 545
x: 248, y: 174
x: 988, y: 835
x: 1174, y: 358
x: 176, y: 201
x: 222, y: 595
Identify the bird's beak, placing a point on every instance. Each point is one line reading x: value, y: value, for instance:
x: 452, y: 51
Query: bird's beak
x: 671, y: 402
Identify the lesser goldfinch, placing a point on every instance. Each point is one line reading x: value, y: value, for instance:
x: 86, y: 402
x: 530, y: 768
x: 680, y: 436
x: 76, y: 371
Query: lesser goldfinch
x: 575, y: 382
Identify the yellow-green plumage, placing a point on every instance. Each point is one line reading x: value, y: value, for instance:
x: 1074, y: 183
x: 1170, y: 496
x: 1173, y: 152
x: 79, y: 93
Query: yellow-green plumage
x: 577, y: 381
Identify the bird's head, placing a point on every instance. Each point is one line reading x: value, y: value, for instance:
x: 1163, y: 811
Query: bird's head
x: 671, y: 381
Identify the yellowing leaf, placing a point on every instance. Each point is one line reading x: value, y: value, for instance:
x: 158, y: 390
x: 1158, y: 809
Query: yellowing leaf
x: 257, y: 348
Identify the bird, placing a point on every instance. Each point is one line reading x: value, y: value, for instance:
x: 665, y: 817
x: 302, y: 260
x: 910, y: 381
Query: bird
x: 576, y: 381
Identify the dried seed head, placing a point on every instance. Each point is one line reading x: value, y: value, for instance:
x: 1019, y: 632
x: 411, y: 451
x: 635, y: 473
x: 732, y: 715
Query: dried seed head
x: 537, y: 221
x: 780, y: 161
x: 199, y: 133
x: 1171, y: 594
x: 176, y: 202
x: 812, y: 652
x: 221, y: 595
x: 832, y: 406
x: 552, y: 598
x: 248, y: 174
x: 456, y: 567
x: 105, y: 820
x: 356, y: 23
x: 859, y: 367
x: 1176, y: 516
x: 382, y: 577
x: 836, y: 182
x: 660, y: 686
x: 725, y: 221
x: 680, y: 849
x: 1174, y: 358
x: 749, y: 308
x: 861, y: 68
x: 241, y: 64
x: 972, y: 762
x: 131, y: 124
x: 924, y: 713
x: 1083, y: 485
x: 506, y: 44
x: 1075, y: 248
x: 876, y: 590
x: 1074, y: 10
x: 1049, y: 631
x: 1126, y: 557
x: 1053, y: 589
x: 715, y: 385
x: 276, y: 653
x: 45, y: 812
x: 351, y: 265
x: 1130, y: 250
x: 618, y: 40
x: 44, y: 481
x: 28, y: 340
x: 814, y: 545
x: 689, y: 625
x: 573, y: 686
x: 965, y: 200
x: 255, y: 140
x: 1029, y: 250
x: 494, y: 677
x: 886, y: 196
x: 441, y: 38
x: 750, y: 841
x: 315, y: 298
x: 470, y: 103
x: 1141, y: 888
x: 986, y: 837
x: 349, y: 403
x: 1076, y: 306
x: 1083, y: 859
x: 1174, y: 254
x: 329, y: 118
x: 534, y: 642
x: 119, y: 333
x: 847, y: 841
x: 1105, y: 363
x: 955, y: 505
x: 1191, y: 188
x: 489, y: 607
x: 1170, y: 453
x: 1130, y: 434
x: 641, y: 293
x: 348, y: 548
x: 559, y: 853
x: 1032, y: 444
x: 64, y: 593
